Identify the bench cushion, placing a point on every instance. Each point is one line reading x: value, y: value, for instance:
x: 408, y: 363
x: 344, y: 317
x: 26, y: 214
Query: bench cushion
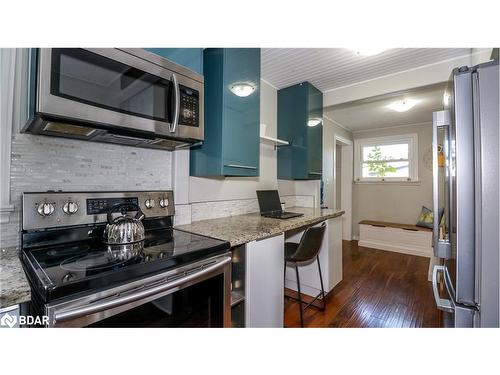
x: 395, y: 225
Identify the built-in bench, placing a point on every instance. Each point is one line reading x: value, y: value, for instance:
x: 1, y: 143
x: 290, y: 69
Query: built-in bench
x: 401, y: 238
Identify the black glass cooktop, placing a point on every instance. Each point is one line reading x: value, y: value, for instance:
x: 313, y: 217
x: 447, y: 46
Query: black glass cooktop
x: 84, y: 266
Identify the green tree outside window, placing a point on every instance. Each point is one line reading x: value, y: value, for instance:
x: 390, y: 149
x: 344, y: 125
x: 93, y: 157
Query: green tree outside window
x: 377, y: 164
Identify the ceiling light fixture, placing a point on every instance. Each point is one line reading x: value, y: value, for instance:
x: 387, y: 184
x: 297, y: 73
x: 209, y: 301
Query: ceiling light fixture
x: 242, y: 89
x: 403, y: 105
x: 314, y: 121
x: 368, y: 51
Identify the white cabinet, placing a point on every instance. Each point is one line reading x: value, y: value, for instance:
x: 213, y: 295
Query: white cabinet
x: 264, y: 289
x: 330, y: 257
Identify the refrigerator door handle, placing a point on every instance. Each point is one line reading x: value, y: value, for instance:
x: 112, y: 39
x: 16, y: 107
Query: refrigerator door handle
x: 441, y: 303
x: 442, y: 248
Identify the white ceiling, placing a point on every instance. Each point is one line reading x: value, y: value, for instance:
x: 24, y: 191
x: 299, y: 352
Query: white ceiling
x: 373, y: 113
x: 330, y: 68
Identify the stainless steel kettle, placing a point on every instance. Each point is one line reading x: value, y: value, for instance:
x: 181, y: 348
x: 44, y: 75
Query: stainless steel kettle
x: 124, y: 234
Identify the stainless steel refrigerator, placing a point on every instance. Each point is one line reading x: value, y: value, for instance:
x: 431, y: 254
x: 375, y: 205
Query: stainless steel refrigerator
x: 466, y: 198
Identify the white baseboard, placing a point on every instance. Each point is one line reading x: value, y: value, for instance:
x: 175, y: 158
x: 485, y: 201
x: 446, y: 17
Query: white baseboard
x: 398, y: 248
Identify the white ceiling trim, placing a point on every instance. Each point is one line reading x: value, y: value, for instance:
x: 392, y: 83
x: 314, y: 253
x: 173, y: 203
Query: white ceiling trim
x: 392, y: 127
x: 337, y: 123
x: 269, y: 83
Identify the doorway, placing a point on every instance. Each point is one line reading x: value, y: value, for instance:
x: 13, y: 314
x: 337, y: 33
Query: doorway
x: 342, y: 175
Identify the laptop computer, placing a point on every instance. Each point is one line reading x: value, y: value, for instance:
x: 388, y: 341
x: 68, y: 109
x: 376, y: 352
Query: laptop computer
x: 270, y: 205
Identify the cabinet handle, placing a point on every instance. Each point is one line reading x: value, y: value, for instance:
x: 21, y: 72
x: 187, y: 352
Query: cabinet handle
x: 316, y: 173
x: 240, y: 166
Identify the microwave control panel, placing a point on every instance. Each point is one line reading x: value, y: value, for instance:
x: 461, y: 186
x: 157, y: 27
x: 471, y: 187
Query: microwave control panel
x: 189, y: 106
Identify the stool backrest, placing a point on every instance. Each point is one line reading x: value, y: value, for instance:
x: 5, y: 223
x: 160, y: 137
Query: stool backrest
x: 310, y: 243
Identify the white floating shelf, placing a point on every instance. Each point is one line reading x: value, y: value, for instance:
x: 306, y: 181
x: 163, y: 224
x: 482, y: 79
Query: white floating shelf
x: 273, y: 141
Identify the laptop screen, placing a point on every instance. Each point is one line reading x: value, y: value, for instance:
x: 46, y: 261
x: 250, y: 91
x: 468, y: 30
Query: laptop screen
x: 269, y: 201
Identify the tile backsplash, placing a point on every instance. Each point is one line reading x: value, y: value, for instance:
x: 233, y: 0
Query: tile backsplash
x: 217, y: 209
x: 42, y: 163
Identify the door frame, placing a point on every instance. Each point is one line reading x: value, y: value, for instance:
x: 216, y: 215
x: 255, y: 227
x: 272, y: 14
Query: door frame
x: 346, y: 183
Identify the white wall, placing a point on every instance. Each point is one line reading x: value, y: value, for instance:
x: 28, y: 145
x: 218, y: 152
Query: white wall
x: 397, y: 202
x: 330, y: 131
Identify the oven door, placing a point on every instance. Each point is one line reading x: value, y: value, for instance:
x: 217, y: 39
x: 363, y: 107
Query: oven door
x: 198, y: 295
x: 111, y: 87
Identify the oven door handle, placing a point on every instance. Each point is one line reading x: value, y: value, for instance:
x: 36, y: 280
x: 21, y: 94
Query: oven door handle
x: 78, y: 312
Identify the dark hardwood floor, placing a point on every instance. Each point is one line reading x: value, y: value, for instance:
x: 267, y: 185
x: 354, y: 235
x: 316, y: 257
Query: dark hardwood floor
x: 378, y: 289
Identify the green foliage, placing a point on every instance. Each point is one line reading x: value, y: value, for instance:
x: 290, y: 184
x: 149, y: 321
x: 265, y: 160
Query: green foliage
x: 376, y: 163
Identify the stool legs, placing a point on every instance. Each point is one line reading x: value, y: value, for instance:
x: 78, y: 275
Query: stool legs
x: 300, y: 296
x: 321, y: 282
x: 299, y: 299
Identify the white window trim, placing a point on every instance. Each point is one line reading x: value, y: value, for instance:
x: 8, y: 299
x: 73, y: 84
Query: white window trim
x: 412, y: 140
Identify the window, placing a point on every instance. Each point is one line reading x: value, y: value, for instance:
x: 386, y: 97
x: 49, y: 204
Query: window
x: 386, y: 159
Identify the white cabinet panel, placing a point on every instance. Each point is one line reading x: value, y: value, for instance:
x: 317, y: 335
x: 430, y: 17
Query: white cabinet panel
x: 264, y: 289
x: 396, y: 239
x: 330, y: 256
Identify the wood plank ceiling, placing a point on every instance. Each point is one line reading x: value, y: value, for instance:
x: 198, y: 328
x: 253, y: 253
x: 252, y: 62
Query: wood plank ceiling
x: 330, y: 68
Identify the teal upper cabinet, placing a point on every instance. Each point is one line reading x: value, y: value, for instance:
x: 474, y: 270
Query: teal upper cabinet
x: 191, y: 58
x: 300, y: 122
x: 232, y: 114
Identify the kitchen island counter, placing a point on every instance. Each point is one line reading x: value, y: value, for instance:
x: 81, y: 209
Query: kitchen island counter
x: 241, y: 229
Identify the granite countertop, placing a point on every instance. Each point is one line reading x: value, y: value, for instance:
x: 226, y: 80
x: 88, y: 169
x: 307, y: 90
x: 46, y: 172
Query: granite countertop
x: 14, y: 287
x: 241, y: 229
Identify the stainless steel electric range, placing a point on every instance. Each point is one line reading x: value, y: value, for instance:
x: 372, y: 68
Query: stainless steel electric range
x: 171, y: 278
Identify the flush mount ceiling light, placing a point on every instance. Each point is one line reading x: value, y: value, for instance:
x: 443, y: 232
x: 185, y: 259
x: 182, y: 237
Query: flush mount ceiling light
x: 314, y: 121
x: 368, y: 51
x: 242, y: 89
x: 403, y: 105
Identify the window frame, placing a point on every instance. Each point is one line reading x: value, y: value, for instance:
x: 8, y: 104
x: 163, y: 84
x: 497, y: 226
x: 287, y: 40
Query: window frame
x: 410, y: 139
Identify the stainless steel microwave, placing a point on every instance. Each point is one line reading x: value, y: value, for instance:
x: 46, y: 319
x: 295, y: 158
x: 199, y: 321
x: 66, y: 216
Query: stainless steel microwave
x: 114, y: 95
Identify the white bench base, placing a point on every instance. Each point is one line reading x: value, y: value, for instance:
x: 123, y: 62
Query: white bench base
x: 412, y: 242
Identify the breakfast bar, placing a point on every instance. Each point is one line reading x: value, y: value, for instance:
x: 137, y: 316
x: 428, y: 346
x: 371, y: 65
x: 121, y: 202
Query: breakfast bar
x: 257, y: 245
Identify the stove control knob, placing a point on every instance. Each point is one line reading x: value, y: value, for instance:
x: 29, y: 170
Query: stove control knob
x: 45, y: 209
x: 163, y: 202
x: 70, y: 208
x: 149, y: 203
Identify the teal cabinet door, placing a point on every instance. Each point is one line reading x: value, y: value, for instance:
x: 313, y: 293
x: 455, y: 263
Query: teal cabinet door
x: 299, y: 107
x: 231, y: 146
x: 191, y: 58
x: 315, y: 134
x: 241, y: 116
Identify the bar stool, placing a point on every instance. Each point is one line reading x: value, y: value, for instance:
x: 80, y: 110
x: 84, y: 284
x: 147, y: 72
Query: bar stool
x: 304, y: 253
